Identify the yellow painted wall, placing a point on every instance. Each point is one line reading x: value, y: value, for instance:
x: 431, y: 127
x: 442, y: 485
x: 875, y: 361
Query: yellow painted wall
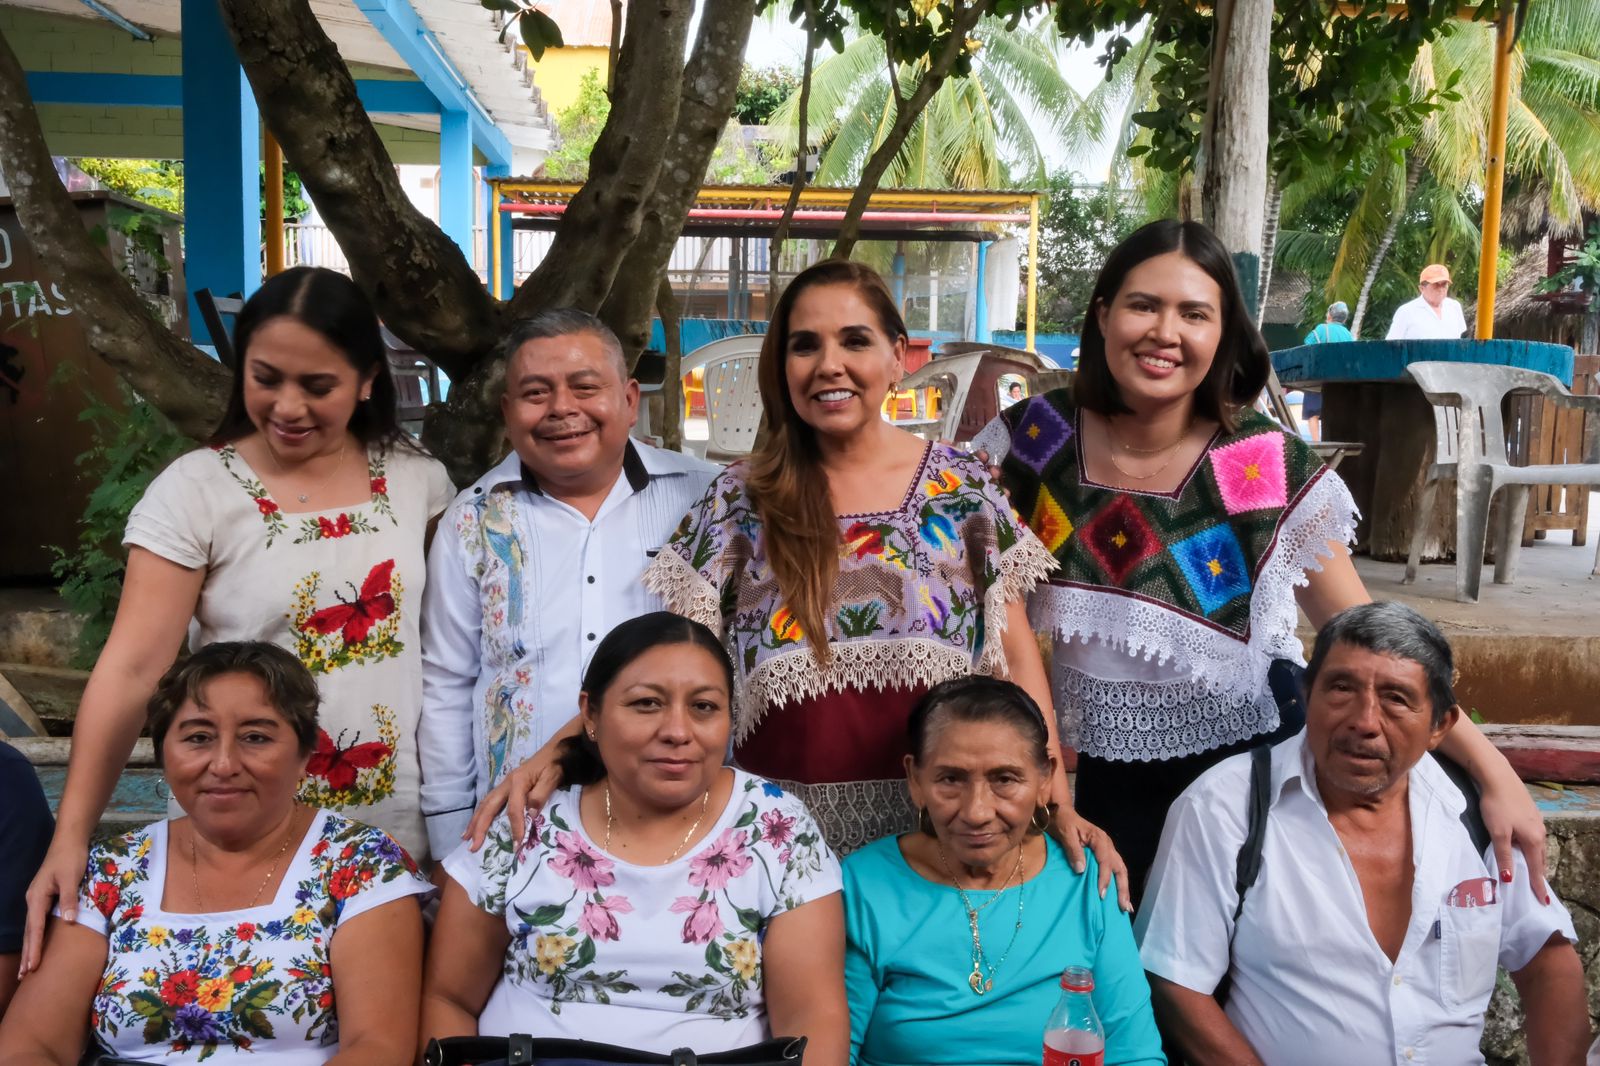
x: 558, y: 75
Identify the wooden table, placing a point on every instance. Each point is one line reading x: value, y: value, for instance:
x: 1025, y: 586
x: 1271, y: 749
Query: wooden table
x: 1367, y: 398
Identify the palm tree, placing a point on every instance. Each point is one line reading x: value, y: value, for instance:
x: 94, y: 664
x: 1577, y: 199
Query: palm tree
x: 981, y: 131
x: 1552, y: 142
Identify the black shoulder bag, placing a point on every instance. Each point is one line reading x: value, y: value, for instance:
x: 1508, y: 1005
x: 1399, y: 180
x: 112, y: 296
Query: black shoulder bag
x: 520, y: 1049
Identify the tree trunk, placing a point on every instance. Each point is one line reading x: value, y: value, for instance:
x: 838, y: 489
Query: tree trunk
x: 423, y: 287
x: 801, y: 153
x: 1413, y: 175
x: 906, y: 113
x: 1269, y: 244
x: 171, y: 375
x: 710, y: 82
x: 672, y: 386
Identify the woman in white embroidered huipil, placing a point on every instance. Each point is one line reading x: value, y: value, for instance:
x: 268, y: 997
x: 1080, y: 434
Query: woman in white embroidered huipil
x: 252, y: 928
x: 659, y: 900
x: 1189, y: 531
x: 302, y: 524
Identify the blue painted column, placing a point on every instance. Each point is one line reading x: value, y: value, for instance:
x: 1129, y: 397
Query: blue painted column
x: 980, y: 315
x: 455, y: 179
x: 898, y: 281
x: 221, y: 166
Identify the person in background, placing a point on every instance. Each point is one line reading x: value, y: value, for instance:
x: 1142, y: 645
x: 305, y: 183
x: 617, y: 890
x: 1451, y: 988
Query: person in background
x: 252, y: 928
x: 659, y: 900
x: 304, y: 522
x: 1189, y: 530
x: 25, y: 828
x: 533, y: 563
x: 1013, y: 395
x: 959, y: 931
x: 1433, y: 315
x: 1331, y: 330
x: 1374, y: 927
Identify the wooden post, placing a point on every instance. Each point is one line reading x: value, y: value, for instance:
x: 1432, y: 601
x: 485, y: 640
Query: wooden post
x: 273, y: 236
x: 1494, y: 179
x: 1033, y: 269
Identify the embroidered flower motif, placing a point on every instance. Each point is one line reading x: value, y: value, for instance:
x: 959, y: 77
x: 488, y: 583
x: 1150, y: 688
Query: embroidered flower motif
x: 550, y: 951
x: 265, y: 505
x: 945, y: 481
x: 768, y: 788
x: 863, y: 539
x: 785, y: 627
x: 1212, y: 563
x: 777, y: 828
x: 180, y: 988
x: 215, y: 993
x: 1049, y: 522
x: 156, y: 936
x: 581, y: 864
x: 599, y: 918
x: 380, y: 486
x: 106, y: 895
x: 1250, y: 473
x: 246, y: 931
x: 339, y: 527
x: 704, y: 923
x: 1039, y: 434
x: 940, y: 534
x: 196, y: 1024
x: 723, y: 861
x: 744, y: 956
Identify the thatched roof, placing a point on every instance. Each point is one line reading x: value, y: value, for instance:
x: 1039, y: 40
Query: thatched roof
x: 1517, y: 303
x: 1286, y: 299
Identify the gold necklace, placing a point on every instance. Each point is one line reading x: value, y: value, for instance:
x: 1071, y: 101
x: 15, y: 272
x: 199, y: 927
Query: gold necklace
x: 194, y: 868
x: 704, y: 800
x: 977, y: 980
x: 337, y: 463
x: 1172, y: 450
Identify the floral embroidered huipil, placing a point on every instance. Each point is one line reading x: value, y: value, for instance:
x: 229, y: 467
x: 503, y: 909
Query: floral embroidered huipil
x: 647, y: 957
x: 182, y: 987
x: 920, y: 598
x: 1168, y: 607
x: 340, y: 588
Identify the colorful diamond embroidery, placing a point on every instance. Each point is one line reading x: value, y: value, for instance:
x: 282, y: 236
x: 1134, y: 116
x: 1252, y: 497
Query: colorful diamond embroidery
x: 1040, y: 434
x: 1119, y: 538
x: 1049, y: 522
x: 1250, y: 473
x: 1213, y: 565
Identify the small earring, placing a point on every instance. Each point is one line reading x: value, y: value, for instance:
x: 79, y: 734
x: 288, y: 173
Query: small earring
x: 925, y: 823
x: 591, y: 736
x: 367, y: 397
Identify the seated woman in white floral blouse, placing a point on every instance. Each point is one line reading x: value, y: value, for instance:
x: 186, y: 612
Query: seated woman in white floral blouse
x: 254, y: 928
x: 660, y: 900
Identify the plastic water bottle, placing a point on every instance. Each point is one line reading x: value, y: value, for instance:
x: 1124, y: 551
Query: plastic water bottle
x: 1074, y: 1036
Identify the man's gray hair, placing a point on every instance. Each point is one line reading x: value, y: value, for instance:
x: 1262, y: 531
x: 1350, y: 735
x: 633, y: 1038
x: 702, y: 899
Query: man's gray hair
x: 1391, y: 628
x: 563, y: 322
x: 1339, y: 312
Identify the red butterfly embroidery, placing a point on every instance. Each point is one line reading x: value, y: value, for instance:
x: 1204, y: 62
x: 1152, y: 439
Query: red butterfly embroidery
x: 356, y: 617
x: 338, y: 765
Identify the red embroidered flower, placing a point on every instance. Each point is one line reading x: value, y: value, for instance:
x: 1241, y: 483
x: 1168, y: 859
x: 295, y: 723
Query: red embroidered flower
x: 180, y: 988
x: 134, y: 913
x: 265, y: 505
x: 864, y: 540
x: 246, y: 931
x: 106, y: 896
x: 380, y: 486
x: 334, y: 529
x: 349, y: 850
x: 320, y: 849
x: 344, y: 883
x: 242, y: 974
x: 108, y: 867
x: 325, y: 1001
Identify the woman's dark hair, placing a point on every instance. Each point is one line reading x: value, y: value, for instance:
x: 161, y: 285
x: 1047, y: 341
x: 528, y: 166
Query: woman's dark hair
x: 291, y: 690
x: 978, y: 699
x: 329, y: 303
x: 1239, y: 371
x: 579, y: 757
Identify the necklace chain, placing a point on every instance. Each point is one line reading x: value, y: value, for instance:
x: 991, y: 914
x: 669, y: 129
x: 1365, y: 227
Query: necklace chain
x: 194, y: 868
x: 1172, y: 451
x: 705, y: 800
x: 337, y: 463
x: 981, y: 979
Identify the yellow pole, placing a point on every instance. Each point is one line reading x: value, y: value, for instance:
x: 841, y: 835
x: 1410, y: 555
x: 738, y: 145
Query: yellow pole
x: 273, y: 237
x: 1494, y: 182
x: 495, y: 251
x: 1033, y: 267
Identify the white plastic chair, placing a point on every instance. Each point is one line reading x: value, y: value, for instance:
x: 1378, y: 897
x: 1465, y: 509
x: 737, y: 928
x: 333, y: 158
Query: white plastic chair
x: 1470, y: 447
x: 733, y: 407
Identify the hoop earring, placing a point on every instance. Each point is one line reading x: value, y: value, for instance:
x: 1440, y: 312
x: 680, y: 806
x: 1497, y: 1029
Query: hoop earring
x: 1041, y: 819
x: 925, y: 822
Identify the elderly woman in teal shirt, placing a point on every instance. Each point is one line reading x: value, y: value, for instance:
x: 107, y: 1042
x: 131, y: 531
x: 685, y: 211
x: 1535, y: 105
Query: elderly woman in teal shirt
x: 959, y: 933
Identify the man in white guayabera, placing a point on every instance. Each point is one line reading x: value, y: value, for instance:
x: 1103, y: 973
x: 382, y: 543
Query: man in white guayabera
x: 1433, y: 315
x: 1342, y: 888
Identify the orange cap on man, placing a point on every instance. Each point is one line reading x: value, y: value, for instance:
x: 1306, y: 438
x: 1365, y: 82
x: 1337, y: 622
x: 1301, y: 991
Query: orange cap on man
x: 1434, y: 272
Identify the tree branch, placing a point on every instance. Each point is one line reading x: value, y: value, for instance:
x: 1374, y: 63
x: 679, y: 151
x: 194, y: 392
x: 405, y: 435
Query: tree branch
x: 801, y: 152
x: 710, y: 81
x: 423, y: 287
x: 169, y: 374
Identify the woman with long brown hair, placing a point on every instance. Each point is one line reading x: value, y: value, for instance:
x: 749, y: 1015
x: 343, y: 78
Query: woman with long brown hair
x: 850, y: 566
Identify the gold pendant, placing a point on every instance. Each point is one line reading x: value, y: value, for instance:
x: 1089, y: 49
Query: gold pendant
x: 976, y: 982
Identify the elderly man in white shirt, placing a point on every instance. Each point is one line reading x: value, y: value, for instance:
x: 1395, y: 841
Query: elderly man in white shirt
x: 1373, y: 927
x: 1433, y: 315
x: 532, y: 565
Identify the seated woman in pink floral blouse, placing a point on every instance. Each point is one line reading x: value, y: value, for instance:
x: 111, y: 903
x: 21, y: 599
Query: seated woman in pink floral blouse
x: 254, y: 927
x: 660, y: 900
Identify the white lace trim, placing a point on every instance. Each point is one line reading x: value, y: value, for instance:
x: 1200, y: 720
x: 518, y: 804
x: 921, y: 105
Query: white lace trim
x: 793, y: 675
x: 852, y: 814
x: 1023, y: 566
x: 994, y: 440
x: 1218, y: 661
x: 684, y: 590
x: 1146, y: 721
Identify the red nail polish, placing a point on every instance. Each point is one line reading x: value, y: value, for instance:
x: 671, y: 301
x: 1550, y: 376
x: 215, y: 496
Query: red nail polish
x: 1505, y: 875
x: 1547, y: 901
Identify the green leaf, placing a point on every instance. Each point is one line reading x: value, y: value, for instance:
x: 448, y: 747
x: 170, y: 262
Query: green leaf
x: 263, y: 993
x: 539, y: 31
x: 147, y: 1005
x: 546, y: 915
x: 510, y: 7
x: 530, y: 35
x: 747, y: 818
x: 750, y: 918
x: 585, y: 954
x: 714, y: 957
x: 256, y: 1023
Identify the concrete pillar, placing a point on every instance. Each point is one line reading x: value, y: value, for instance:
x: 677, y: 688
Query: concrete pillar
x: 980, y: 326
x: 221, y: 166
x: 455, y: 179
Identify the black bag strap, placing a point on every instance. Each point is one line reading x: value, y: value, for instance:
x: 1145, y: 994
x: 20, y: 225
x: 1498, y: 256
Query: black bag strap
x: 1248, y: 865
x: 520, y: 1049
x: 684, y: 1057
x: 1472, y: 813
